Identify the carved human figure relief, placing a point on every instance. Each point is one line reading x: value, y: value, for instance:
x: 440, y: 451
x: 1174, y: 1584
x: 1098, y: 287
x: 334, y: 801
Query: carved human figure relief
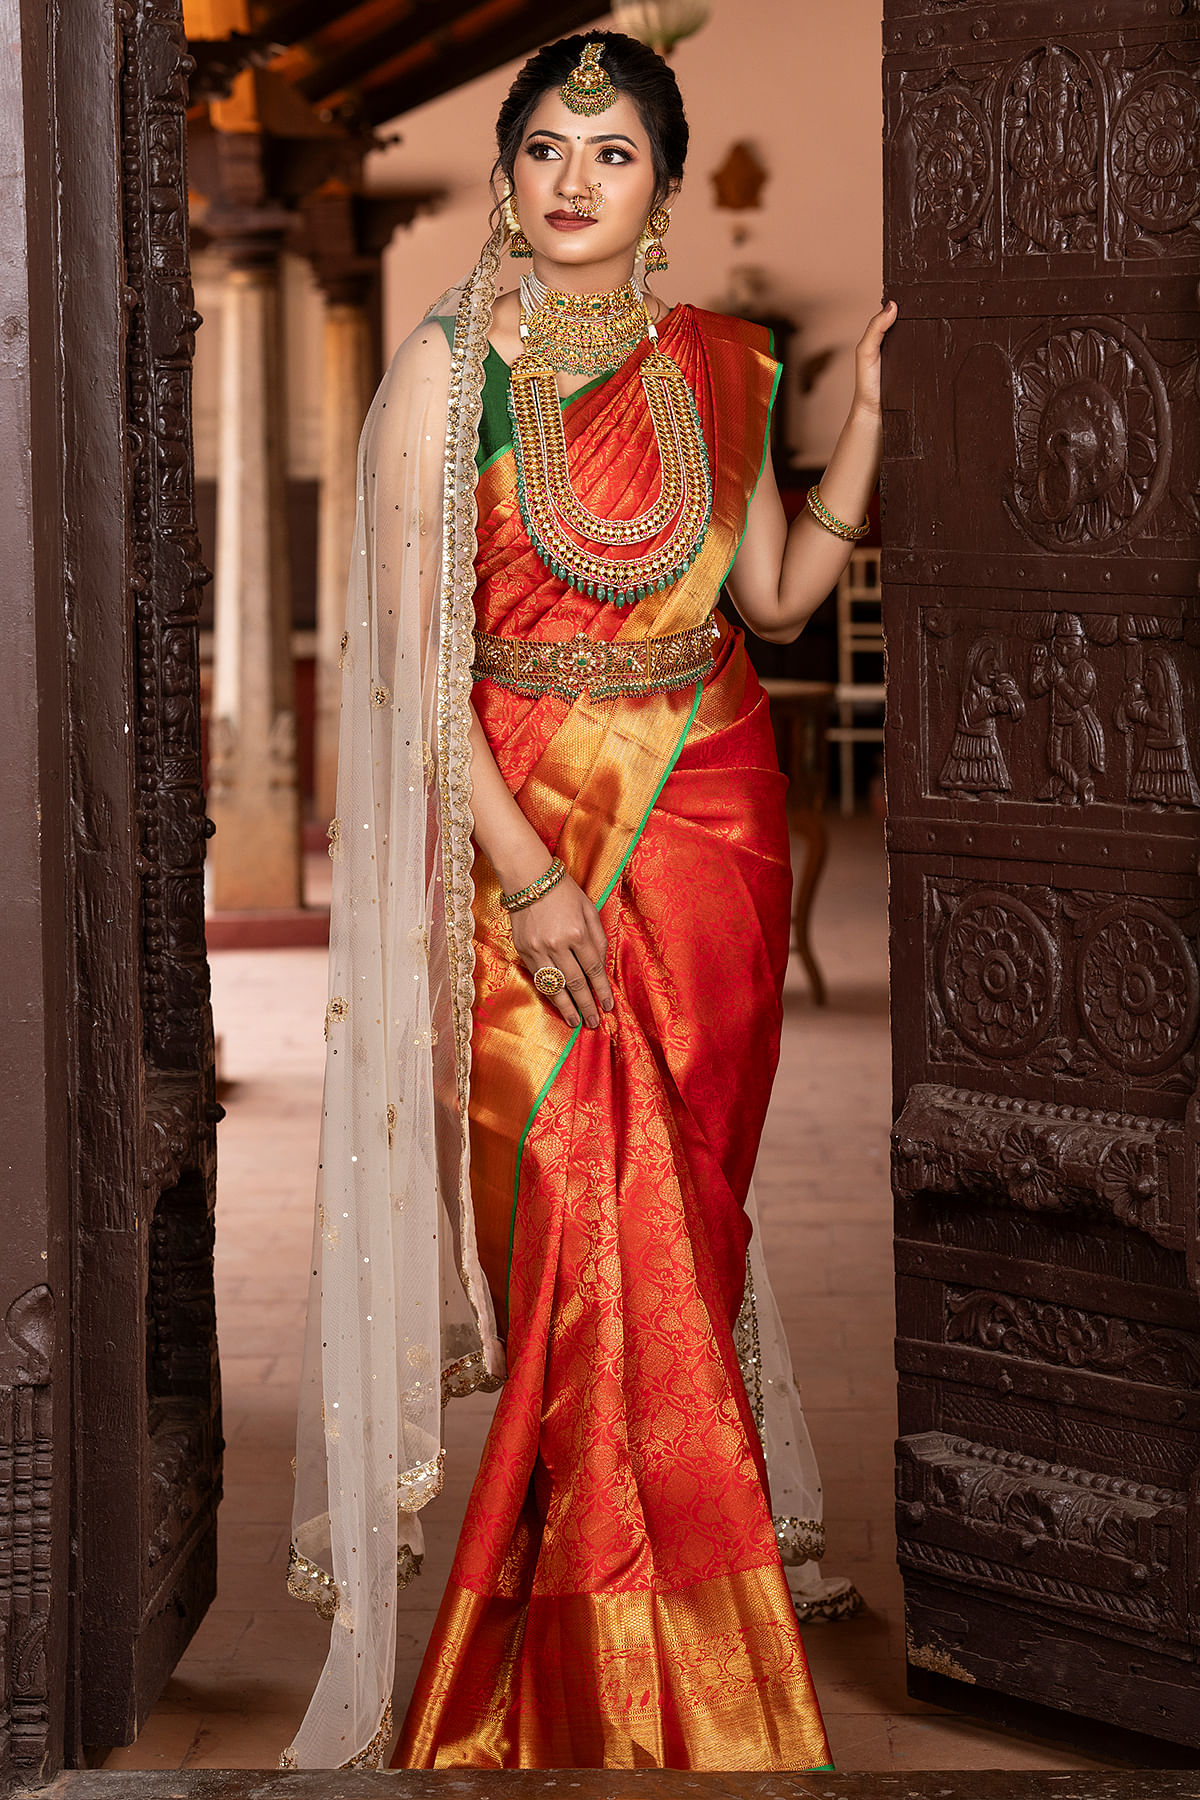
x: 948, y: 145
x: 1152, y: 717
x: 975, y: 762
x: 1075, y: 737
x: 1051, y: 155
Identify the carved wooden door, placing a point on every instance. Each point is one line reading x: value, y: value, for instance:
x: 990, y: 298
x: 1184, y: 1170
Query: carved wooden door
x: 149, y: 1446
x: 110, y: 1450
x: 1042, y: 461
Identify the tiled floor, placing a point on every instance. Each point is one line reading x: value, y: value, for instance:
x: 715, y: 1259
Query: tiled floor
x: 239, y: 1693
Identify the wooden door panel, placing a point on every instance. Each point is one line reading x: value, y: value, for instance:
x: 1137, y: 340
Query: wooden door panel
x: 1085, y: 978
x: 1042, y: 526
x: 1104, y: 755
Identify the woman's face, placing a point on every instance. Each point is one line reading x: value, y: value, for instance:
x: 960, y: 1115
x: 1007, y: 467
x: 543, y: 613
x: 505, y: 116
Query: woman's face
x: 562, y: 154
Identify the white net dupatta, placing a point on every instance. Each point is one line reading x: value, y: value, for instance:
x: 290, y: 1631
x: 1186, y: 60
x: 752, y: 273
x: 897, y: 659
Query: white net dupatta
x: 796, y: 1501
x: 398, y: 1309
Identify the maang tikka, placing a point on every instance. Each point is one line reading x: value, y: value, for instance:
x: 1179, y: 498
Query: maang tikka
x: 587, y: 88
x: 650, y: 244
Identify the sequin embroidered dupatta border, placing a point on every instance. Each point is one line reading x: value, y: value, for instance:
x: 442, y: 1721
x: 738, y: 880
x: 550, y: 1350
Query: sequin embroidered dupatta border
x: 398, y: 1312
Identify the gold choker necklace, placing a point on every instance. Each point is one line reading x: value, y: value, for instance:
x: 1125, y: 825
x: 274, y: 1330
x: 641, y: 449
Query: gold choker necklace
x: 583, y: 334
x: 584, y: 328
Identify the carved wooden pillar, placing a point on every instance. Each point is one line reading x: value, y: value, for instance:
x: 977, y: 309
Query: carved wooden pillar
x: 253, y: 795
x: 343, y: 235
x: 110, y: 1447
x: 345, y: 395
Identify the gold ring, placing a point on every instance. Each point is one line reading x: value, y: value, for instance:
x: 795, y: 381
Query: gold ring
x: 549, y: 980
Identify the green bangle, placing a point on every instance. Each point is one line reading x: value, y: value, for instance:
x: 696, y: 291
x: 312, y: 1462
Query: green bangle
x: 527, y: 895
x: 831, y: 522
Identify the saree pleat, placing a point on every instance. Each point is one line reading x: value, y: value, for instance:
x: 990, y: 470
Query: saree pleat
x: 617, y: 1598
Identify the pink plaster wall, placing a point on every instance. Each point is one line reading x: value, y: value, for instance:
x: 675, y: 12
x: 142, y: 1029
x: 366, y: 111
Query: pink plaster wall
x: 799, y: 80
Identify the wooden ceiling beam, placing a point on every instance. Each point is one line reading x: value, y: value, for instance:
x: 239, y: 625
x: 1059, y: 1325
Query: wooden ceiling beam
x: 426, y: 19
x: 476, y: 56
x: 295, y: 20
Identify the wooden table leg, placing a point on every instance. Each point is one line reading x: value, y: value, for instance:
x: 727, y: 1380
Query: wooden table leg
x: 799, y: 714
x: 810, y: 825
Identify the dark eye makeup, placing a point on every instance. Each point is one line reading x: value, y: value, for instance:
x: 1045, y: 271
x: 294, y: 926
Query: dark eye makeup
x: 605, y: 151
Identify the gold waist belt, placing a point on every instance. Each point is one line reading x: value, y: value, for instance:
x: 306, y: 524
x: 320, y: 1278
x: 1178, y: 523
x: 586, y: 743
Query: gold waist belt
x: 578, y: 665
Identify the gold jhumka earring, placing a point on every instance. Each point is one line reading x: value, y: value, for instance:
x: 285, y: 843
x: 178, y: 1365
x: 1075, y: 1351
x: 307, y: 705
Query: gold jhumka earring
x: 650, y: 244
x: 518, y: 243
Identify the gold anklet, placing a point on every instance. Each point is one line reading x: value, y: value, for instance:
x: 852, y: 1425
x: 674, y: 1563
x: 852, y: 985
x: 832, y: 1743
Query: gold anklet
x: 830, y: 521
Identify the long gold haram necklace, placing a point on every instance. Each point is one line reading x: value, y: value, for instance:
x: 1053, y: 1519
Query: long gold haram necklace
x: 587, y: 333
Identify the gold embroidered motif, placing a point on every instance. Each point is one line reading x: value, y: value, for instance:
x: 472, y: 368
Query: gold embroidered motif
x: 749, y: 1352
x: 459, y: 476
x: 799, y: 1540
x: 371, y: 1755
x: 307, y: 1581
x: 380, y: 695
x: 420, y: 1483
x: 837, y: 1606
x: 336, y: 1013
x: 391, y: 1122
x: 333, y: 831
x: 345, y: 645
x: 468, y: 1375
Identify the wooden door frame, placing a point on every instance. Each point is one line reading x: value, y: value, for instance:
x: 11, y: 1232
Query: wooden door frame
x: 35, y: 958
x: 1034, y: 285
x: 109, y: 1421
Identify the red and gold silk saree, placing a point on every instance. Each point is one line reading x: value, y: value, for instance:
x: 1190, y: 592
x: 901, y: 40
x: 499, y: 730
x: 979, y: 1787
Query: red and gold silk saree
x: 617, y: 1598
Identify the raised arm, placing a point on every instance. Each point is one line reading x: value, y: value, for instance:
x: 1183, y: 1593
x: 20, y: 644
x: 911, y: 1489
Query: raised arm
x: 781, y: 576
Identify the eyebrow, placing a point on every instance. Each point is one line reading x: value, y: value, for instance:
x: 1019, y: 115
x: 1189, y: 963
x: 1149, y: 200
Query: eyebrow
x: 606, y: 137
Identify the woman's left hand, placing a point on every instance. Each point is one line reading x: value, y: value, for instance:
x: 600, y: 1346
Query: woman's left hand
x: 867, y: 358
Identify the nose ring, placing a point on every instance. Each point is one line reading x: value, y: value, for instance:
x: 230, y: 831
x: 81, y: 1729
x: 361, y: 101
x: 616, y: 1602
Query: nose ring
x: 593, y: 205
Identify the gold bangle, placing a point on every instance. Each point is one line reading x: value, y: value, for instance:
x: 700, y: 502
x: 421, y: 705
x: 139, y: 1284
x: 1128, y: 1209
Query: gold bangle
x: 831, y: 522
x: 527, y: 895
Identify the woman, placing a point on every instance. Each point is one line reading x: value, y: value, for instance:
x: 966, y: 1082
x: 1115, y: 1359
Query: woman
x: 551, y: 1049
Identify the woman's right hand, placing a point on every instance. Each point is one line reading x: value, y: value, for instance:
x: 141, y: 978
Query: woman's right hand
x: 562, y: 930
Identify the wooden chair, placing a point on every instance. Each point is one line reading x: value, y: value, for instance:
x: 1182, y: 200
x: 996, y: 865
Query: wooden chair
x: 860, y: 639
x: 800, y: 716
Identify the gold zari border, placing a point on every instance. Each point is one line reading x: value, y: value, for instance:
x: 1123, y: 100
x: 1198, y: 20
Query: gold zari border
x: 709, y: 1677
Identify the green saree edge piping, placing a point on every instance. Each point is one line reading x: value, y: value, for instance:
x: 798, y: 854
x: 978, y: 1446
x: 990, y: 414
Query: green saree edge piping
x: 762, y: 465
x: 572, y: 1040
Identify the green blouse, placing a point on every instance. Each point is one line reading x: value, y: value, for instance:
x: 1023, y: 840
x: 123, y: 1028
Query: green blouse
x: 495, y: 426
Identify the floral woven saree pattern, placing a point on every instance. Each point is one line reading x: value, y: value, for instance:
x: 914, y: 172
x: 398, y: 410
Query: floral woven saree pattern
x: 617, y: 1598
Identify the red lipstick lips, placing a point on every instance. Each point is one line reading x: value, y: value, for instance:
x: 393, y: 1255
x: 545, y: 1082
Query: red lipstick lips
x: 568, y: 221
